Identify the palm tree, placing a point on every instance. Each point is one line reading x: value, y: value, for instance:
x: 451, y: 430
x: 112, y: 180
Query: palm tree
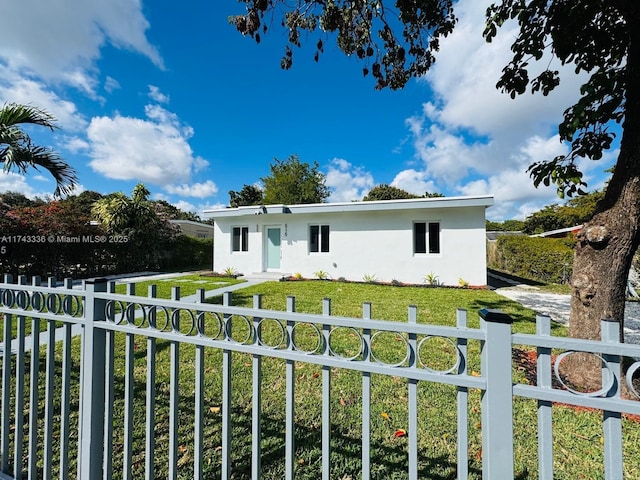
x: 119, y: 214
x: 17, y: 152
x: 135, y: 219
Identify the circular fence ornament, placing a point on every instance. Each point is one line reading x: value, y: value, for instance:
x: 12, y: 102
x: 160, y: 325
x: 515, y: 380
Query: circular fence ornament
x: 271, y: 333
x: 8, y: 298
x: 163, y: 315
x: 346, y: 343
x: 393, y: 348
x: 22, y: 300
x: 38, y: 302
x: 136, y: 311
x: 434, y: 352
x: 181, y: 317
x: 54, y: 303
x: 72, y: 305
x: 209, y: 324
x: 113, y: 308
x: 629, y: 378
x: 306, y: 338
x: 232, y: 329
x: 608, y: 378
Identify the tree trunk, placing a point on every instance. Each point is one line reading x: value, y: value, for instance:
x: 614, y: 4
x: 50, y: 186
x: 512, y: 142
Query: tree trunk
x: 607, y: 243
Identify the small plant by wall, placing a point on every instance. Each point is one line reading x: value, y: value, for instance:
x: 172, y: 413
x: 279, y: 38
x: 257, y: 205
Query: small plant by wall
x: 230, y: 272
x: 431, y: 279
x: 321, y: 275
x: 370, y: 278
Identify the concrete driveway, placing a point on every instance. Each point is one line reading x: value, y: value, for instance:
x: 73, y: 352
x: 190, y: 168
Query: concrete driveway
x: 558, y: 307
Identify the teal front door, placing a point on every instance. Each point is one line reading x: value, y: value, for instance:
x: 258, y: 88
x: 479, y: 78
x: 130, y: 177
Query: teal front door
x: 273, y: 248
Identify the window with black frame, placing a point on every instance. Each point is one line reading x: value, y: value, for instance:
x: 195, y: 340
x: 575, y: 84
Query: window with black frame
x: 426, y: 237
x: 318, y: 238
x: 240, y: 239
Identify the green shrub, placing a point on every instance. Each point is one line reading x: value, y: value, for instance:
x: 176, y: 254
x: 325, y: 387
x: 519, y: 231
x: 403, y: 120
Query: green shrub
x: 189, y: 252
x: 547, y: 260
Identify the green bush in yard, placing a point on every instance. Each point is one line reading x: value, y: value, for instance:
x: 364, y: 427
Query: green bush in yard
x: 189, y: 252
x: 548, y: 260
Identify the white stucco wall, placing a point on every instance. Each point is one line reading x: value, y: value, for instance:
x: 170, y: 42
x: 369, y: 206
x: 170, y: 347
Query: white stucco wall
x: 363, y: 243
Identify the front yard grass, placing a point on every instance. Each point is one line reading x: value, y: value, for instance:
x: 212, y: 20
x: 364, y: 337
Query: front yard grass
x: 577, y: 434
x: 188, y: 284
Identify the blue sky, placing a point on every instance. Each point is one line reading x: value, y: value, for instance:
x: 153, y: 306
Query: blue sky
x: 169, y: 94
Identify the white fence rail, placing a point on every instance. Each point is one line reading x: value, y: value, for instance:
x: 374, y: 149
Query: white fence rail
x: 96, y: 349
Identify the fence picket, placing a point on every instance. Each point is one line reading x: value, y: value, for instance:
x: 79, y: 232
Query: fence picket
x: 47, y: 473
x: 227, y: 358
x: 462, y: 398
x: 92, y: 392
x: 413, y: 398
x: 109, y: 394
x: 128, y: 390
x: 198, y: 443
x: 150, y: 414
x: 174, y: 389
x: 545, y: 426
x: 34, y: 397
x: 326, y: 397
x: 20, y: 391
x: 256, y: 404
x: 290, y: 399
x: 497, y: 399
x: 612, y: 421
x: 366, y: 397
x: 5, y: 419
x: 65, y: 400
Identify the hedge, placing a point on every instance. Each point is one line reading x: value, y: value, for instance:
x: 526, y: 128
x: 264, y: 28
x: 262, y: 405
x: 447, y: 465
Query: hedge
x: 548, y: 260
x: 189, y: 252
x: 86, y: 259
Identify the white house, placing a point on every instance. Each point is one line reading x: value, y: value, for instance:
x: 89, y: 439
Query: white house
x: 404, y: 240
x: 194, y: 229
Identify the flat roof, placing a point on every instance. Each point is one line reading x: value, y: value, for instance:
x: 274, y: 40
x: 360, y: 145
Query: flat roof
x: 339, y: 207
x: 191, y: 222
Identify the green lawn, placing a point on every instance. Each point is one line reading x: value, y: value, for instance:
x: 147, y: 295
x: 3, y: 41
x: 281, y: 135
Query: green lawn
x: 188, y: 284
x: 578, y: 447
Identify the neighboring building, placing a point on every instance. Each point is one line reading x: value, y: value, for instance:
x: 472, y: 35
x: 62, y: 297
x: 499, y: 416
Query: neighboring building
x: 403, y: 240
x: 493, y: 236
x: 194, y: 229
x: 560, y: 233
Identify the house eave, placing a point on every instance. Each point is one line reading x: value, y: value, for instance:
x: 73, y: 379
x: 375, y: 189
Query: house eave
x: 342, y: 207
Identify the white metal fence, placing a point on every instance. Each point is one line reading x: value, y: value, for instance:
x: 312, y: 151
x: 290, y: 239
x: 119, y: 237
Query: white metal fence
x: 59, y: 393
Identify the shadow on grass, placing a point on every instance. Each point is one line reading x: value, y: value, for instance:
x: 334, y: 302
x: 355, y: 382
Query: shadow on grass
x: 387, y: 462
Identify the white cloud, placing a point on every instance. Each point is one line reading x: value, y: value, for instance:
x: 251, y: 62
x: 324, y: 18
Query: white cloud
x: 414, y: 182
x: 347, y: 183
x: 14, y: 182
x: 75, y: 144
x: 61, y: 41
x: 199, y: 190
x: 185, y: 206
x: 156, y: 95
x: 31, y: 92
x: 111, y: 84
x: 153, y: 150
